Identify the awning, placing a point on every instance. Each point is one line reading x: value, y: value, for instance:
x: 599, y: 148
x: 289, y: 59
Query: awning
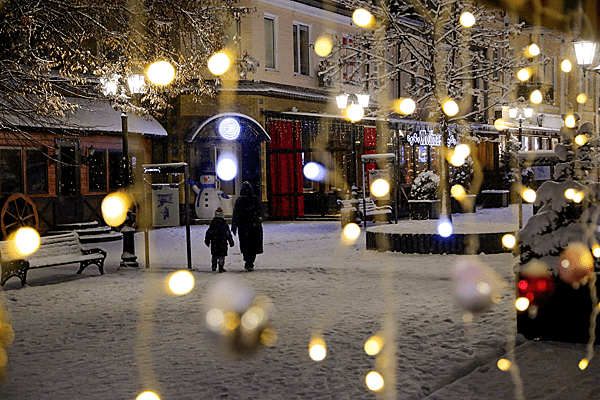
x: 249, y: 125
x: 96, y: 116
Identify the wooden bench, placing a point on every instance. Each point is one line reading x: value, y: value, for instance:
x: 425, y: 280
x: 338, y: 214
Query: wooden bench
x: 53, y: 251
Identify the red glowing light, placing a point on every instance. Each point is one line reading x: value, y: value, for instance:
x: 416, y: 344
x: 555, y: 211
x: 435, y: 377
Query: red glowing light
x: 529, y: 296
x: 523, y: 284
x: 205, y: 178
x: 542, y: 285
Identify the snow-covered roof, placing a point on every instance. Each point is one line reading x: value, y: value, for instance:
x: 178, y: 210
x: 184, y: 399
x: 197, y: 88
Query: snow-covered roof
x: 275, y: 89
x: 94, y: 115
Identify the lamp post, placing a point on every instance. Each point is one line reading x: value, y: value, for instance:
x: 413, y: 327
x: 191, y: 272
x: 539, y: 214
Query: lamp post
x: 519, y: 114
x: 354, y: 105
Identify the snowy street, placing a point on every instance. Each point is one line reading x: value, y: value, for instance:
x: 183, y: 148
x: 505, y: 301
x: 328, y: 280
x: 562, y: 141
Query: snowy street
x: 117, y: 335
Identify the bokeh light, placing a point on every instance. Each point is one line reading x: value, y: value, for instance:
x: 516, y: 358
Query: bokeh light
x: 457, y: 160
x: 374, y: 381
x: 350, y: 233
x: 314, y: 171
x: 219, y: 63
x: 161, y: 73
x: 229, y: 128
x: 444, y: 228
x: 565, y: 65
x: 148, y: 396
x: 509, y: 241
x: 596, y: 251
x: 355, y: 112
x: 582, y: 98
x: 323, y: 46
x: 476, y: 286
x: 570, y: 121
x: 523, y: 74
x: 536, y: 97
x: 405, y: 106
x: 570, y: 193
x: 580, y: 140
x: 226, y: 168
x: 380, y: 187
x: 458, y: 191
x: 463, y: 150
x: 238, y: 320
x: 583, y: 364
x: 362, y: 17
x: 500, y: 124
x: 467, y: 19
x: 450, y: 108
x: 578, y: 197
x: 114, y: 208
x: 532, y: 50
x: 374, y: 344
x: 27, y: 240
x: 529, y: 195
x: 181, y: 282
x: 503, y: 364
x: 575, y: 263
x: 317, y: 349
x: 522, y: 303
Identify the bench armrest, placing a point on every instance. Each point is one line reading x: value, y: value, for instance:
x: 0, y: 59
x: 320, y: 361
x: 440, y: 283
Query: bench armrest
x: 94, y: 250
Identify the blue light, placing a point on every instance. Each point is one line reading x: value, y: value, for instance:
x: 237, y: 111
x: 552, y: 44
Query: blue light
x: 226, y: 169
x: 314, y: 171
x: 229, y: 129
x: 445, y: 228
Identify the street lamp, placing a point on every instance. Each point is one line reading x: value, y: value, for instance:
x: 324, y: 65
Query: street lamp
x: 354, y: 112
x: 584, y: 51
x: 519, y: 114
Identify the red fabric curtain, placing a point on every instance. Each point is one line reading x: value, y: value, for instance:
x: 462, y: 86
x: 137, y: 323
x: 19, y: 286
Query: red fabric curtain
x: 370, y: 134
x: 286, y: 170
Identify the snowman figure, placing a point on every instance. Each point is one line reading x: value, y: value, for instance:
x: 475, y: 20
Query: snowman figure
x: 209, y: 196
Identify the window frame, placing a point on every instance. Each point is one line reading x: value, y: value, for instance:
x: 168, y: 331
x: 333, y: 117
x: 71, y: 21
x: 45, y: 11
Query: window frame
x: 275, y: 44
x: 297, y: 49
x: 26, y: 171
x: 21, y: 170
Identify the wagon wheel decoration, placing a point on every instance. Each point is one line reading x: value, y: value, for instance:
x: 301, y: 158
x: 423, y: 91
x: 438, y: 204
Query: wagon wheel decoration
x: 18, y: 211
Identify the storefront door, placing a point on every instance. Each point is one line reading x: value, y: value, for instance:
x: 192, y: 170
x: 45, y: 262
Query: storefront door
x: 68, y: 201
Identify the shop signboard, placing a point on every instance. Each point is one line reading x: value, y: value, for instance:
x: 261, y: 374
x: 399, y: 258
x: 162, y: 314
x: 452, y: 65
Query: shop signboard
x: 427, y: 137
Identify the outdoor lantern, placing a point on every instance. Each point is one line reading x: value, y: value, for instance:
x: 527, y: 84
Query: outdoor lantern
x: 110, y: 85
x: 161, y: 73
x: 528, y: 111
x: 512, y: 112
x: 363, y: 100
x: 584, y: 51
x: 135, y: 83
x: 229, y: 129
x: 341, y: 100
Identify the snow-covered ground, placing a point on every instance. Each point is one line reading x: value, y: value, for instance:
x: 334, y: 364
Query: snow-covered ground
x: 117, y: 335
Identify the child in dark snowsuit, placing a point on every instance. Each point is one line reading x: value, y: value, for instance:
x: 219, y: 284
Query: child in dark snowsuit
x: 217, y: 236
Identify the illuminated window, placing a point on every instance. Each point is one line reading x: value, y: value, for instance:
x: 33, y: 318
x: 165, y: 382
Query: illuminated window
x: 270, y: 42
x: 97, y: 171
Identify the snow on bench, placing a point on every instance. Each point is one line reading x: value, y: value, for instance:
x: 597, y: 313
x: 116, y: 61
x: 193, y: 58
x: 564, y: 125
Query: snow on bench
x: 371, y: 208
x: 53, y: 251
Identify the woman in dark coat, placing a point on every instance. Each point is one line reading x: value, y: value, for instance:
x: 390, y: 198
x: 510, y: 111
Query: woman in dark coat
x: 247, y: 221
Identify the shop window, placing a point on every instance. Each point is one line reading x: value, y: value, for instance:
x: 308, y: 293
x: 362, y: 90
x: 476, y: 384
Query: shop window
x: 11, y: 173
x: 36, y: 164
x: 301, y: 50
x: 97, y: 171
x: 115, y: 170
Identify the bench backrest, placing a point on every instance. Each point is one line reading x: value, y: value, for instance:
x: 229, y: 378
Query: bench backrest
x: 50, y: 246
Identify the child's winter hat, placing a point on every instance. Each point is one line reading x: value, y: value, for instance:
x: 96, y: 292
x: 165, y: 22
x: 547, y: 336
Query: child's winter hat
x: 219, y: 213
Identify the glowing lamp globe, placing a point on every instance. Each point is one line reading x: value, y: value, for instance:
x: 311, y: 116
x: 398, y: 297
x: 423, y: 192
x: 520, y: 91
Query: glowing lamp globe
x: 219, y: 63
x: 161, y: 73
x: 362, y: 17
x: 226, y: 169
x: 314, y: 171
x: 355, y: 112
x: 229, y: 129
x: 445, y: 228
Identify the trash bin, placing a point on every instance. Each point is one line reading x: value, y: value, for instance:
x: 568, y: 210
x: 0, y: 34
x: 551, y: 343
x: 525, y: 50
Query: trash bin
x: 165, y: 204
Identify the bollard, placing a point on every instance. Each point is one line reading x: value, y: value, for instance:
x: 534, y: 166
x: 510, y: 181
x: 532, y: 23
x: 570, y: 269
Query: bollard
x: 128, y: 258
